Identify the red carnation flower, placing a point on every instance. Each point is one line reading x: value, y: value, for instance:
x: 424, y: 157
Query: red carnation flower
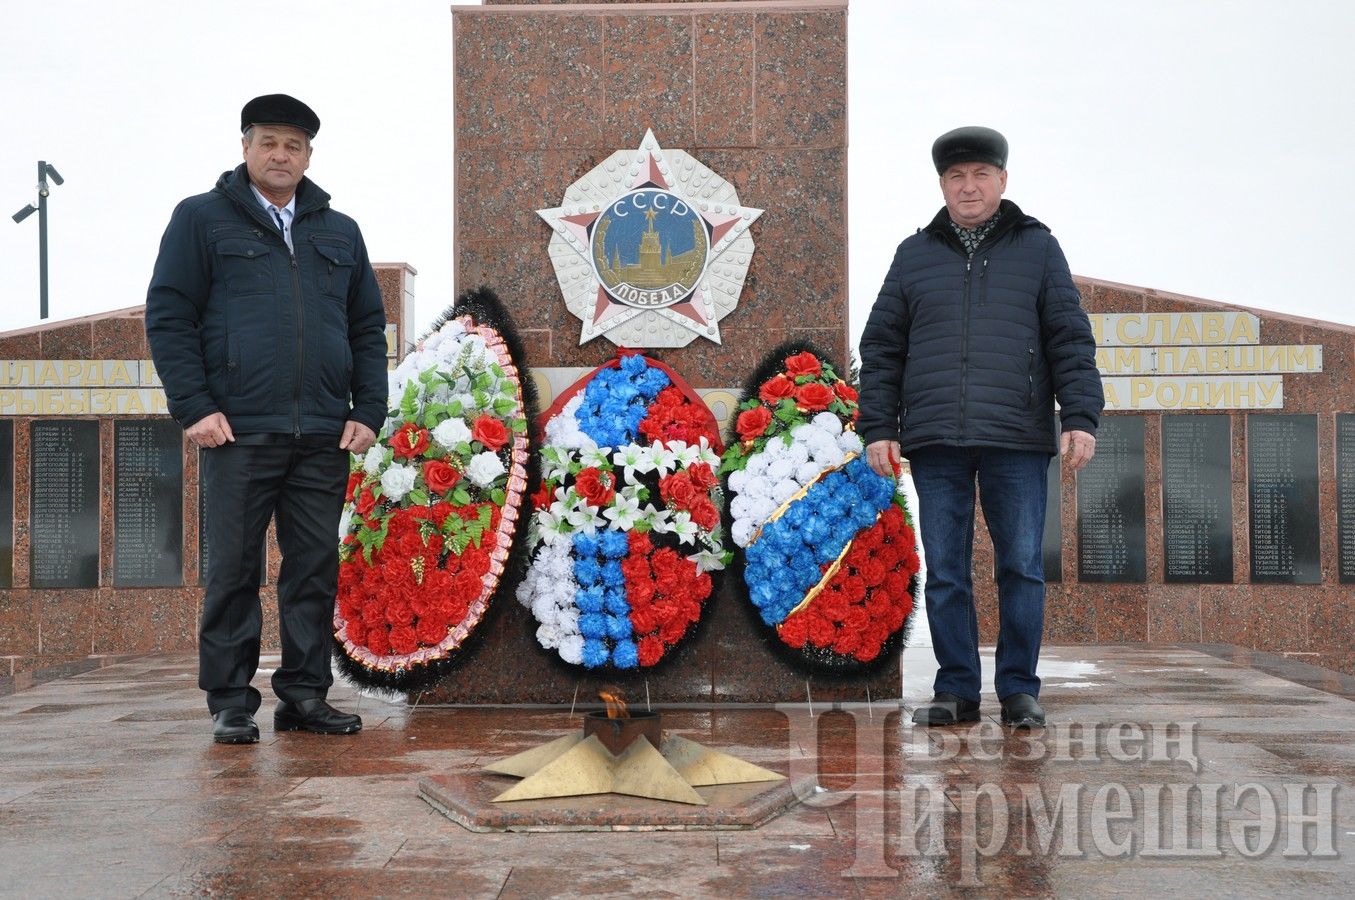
x: 776, y: 390
x: 409, y: 441
x: 403, y: 640
x: 354, y: 482
x: 845, y: 392
x: 595, y: 486
x: 378, y: 641
x: 431, y: 631
x: 813, y: 396
x: 821, y: 631
x: 544, y: 495
x: 846, y: 642
x: 804, y: 363
x: 650, y: 650
x: 752, y: 422
x: 440, y: 475
x: 490, y: 432
x: 794, y: 631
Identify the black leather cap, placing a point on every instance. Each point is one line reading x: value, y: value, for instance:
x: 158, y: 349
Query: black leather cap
x: 279, y: 109
x: 972, y: 143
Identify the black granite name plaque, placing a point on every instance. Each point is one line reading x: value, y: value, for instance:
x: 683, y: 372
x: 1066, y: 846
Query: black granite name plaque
x: 1345, y: 496
x: 1282, y: 492
x: 1110, y: 508
x: 6, y: 504
x: 147, y: 504
x: 1053, y: 526
x: 1197, y: 499
x: 64, y: 504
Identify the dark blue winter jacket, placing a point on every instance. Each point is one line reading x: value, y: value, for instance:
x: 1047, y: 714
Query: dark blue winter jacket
x: 281, y: 343
x: 972, y: 352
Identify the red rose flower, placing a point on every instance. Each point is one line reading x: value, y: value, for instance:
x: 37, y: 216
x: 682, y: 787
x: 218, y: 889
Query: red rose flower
x: 813, y: 396
x: 705, y: 514
x: 544, y: 495
x: 595, y: 486
x: 804, y: 363
x: 678, y: 490
x: 845, y: 392
x: 702, y: 476
x: 490, y: 432
x: 409, y: 441
x: 777, y: 389
x: 354, y: 482
x: 752, y: 422
x: 366, y: 503
x: 440, y: 475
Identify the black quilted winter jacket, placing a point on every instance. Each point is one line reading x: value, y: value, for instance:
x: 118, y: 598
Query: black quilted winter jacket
x: 973, y: 352
x: 281, y: 342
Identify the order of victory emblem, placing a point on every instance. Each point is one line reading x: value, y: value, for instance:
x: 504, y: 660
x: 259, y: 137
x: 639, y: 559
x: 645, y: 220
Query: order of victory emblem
x: 651, y: 248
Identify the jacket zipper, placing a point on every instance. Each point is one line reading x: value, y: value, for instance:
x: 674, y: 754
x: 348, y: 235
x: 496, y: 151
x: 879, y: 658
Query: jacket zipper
x: 964, y: 347
x: 300, y: 345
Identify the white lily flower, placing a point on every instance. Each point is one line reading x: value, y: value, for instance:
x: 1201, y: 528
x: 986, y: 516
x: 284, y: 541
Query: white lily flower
x: 707, y: 454
x: 684, y: 527
x: 585, y: 518
x: 624, y: 513
x: 595, y: 458
x: 708, y: 561
x: 554, y: 463
x: 658, y: 519
x: 634, y: 459
x: 665, y: 458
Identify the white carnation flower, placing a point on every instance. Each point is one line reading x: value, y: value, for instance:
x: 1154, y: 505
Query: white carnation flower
x: 829, y: 422
x: 758, y: 486
x: 762, y: 509
x: 743, y: 532
x: 738, y: 480
x: 571, y: 649
x: 739, y: 507
x: 484, y: 467
x: 808, y: 471
x: 850, y: 442
x: 452, y: 432
x: 397, y: 481
x: 830, y: 455
x: 783, y: 490
x: 780, y: 469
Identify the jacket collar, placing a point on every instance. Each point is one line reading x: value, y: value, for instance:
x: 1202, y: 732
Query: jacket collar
x: 235, y: 185
x: 1011, y: 219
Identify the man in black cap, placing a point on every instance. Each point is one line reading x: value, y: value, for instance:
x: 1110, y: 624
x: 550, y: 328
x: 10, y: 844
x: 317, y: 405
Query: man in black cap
x: 977, y: 330
x: 268, y: 331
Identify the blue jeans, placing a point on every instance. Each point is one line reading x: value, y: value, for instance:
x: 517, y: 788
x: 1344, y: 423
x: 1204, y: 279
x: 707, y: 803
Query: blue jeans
x: 1012, y: 485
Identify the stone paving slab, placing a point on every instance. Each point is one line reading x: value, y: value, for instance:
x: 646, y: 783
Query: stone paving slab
x: 1195, y: 769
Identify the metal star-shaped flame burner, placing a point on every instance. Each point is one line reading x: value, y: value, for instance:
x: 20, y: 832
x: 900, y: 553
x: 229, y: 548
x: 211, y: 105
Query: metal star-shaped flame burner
x: 617, y: 756
x: 651, y: 248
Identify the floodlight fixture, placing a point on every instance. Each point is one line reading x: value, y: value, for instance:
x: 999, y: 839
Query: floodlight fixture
x: 45, y: 170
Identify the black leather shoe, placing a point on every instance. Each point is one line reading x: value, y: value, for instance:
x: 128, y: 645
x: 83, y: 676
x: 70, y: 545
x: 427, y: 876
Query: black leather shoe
x: 234, y: 726
x: 946, y: 709
x: 1021, y: 711
x: 314, y: 715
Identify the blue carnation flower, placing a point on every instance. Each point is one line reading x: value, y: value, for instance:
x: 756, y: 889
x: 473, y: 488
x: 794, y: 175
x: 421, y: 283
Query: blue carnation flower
x: 611, y: 573
x: 614, y: 602
x: 585, y: 545
x: 625, y: 655
x: 632, y: 365
x: 593, y: 626
x: 594, y: 653
x: 589, y: 600
x: 587, y: 571
x: 618, y: 627
x: 614, y: 544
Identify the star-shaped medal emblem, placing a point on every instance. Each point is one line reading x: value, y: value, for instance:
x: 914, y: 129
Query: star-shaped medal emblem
x: 651, y: 248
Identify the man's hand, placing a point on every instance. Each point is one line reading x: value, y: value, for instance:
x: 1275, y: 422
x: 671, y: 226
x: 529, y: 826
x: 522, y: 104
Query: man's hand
x: 1078, y: 447
x: 357, y: 438
x: 884, y: 457
x: 211, y: 431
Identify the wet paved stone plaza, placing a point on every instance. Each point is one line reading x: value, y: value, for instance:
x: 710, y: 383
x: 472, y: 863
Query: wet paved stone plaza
x: 1199, y: 770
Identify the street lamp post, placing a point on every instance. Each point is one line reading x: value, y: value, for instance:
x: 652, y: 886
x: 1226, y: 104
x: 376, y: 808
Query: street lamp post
x: 45, y: 169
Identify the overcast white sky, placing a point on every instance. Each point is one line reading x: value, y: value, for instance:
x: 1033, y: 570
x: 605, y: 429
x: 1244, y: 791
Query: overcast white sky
x: 1202, y: 148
